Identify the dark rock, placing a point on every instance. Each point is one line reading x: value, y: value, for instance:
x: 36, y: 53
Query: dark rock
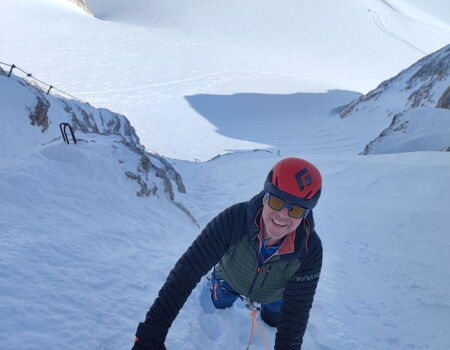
x: 396, y: 125
x: 444, y: 101
x: 39, y: 116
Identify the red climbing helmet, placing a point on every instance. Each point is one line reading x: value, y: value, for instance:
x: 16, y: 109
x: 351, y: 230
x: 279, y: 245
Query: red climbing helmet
x: 295, y: 180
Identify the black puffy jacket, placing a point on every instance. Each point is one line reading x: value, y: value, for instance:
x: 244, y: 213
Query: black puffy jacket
x: 205, y: 252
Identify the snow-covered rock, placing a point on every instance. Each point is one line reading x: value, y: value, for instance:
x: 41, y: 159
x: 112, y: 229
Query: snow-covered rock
x: 418, y: 129
x: 421, y: 85
x: 424, y: 84
x: 31, y: 125
x: 82, y: 4
x: 444, y: 101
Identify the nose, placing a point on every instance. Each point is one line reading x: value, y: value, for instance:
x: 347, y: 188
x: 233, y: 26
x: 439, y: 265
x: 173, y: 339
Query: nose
x: 284, y: 213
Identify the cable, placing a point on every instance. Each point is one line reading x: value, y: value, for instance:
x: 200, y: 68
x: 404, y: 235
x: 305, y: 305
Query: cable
x: 29, y: 75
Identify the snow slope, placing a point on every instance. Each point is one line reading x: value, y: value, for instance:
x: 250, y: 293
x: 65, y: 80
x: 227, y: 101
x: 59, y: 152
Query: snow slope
x: 180, y: 50
x: 437, y: 8
x: 61, y: 212
x: 82, y: 257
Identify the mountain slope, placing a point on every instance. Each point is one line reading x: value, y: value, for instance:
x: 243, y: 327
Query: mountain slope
x: 46, y: 113
x: 426, y: 85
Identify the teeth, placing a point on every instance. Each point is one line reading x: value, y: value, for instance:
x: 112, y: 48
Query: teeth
x: 278, y: 223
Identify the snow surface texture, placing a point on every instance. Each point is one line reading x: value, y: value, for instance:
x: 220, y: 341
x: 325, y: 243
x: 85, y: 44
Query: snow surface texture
x: 82, y: 257
x: 206, y: 47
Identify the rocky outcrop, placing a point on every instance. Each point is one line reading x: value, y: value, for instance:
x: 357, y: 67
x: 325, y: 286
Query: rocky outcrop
x: 100, y: 121
x: 420, y: 85
x: 396, y: 125
x: 153, y: 174
x: 433, y: 70
x: 39, y: 116
x: 417, y: 129
x: 426, y: 86
x: 444, y: 101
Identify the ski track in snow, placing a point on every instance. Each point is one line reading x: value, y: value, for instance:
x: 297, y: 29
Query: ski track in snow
x: 377, y: 20
x: 389, y: 5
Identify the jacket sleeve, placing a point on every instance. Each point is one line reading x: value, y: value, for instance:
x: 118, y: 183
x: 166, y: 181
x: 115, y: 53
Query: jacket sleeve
x: 206, y: 251
x: 297, y: 300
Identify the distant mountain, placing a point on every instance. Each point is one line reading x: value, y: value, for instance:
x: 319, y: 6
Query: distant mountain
x: 23, y: 103
x: 420, y: 90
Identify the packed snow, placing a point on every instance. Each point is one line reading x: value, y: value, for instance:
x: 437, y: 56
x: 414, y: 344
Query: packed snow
x: 83, y: 256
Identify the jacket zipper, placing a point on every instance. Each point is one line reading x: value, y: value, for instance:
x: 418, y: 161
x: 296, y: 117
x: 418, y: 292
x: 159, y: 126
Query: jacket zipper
x: 258, y: 270
x: 265, y: 277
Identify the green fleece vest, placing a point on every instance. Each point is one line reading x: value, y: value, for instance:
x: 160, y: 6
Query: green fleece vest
x: 240, y: 268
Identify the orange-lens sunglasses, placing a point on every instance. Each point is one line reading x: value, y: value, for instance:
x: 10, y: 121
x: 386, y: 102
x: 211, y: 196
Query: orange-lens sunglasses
x: 277, y: 204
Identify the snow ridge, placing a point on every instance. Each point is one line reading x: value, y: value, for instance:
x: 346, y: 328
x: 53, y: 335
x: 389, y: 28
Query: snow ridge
x: 47, y: 112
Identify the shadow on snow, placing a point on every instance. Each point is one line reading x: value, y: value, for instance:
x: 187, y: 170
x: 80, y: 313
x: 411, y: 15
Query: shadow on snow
x: 270, y: 118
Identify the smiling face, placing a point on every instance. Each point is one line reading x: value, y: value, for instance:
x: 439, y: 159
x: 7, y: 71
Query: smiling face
x: 277, y: 224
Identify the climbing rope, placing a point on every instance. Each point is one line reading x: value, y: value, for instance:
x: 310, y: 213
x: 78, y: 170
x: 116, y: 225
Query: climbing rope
x: 255, y: 324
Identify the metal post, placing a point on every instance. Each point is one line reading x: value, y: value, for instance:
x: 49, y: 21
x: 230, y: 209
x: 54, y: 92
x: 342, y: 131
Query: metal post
x: 10, y: 71
x: 63, y: 132
x: 71, y: 131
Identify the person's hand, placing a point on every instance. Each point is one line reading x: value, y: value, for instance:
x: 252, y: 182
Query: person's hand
x: 148, y: 346
x: 150, y: 337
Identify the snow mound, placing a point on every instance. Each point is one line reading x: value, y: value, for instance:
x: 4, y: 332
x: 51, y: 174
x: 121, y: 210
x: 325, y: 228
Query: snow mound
x: 419, y: 129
